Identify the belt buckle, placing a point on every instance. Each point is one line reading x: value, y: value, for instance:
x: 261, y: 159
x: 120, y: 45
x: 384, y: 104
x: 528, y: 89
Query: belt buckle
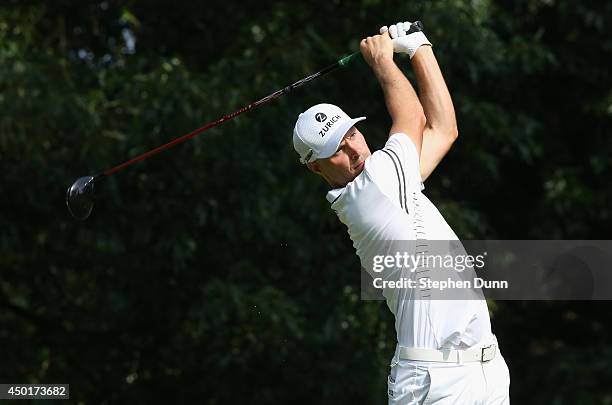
x: 485, y: 351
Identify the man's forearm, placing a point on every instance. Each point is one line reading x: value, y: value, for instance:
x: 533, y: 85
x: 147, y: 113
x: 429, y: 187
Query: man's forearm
x: 434, y: 95
x: 402, y: 101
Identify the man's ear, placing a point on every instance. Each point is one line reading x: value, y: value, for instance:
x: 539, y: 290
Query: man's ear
x: 314, y: 167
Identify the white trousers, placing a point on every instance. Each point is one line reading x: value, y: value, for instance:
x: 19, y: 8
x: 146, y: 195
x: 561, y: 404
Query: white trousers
x: 412, y: 382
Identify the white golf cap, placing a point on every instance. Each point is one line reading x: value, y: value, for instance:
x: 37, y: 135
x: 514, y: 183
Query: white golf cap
x: 319, y: 130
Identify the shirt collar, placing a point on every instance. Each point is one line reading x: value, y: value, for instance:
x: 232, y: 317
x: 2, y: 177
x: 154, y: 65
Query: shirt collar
x: 332, y: 195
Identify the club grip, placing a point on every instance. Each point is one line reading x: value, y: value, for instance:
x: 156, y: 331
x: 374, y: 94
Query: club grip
x: 348, y: 59
x: 414, y: 27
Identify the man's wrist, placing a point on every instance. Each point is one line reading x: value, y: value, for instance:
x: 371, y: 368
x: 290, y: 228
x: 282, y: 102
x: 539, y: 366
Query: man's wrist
x: 421, y: 53
x: 381, y: 65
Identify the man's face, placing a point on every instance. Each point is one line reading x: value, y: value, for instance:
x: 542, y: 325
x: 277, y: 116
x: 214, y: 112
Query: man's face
x: 348, y: 161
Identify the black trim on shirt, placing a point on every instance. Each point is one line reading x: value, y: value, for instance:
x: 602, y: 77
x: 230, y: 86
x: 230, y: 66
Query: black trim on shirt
x: 403, y: 177
x: 404, y: 203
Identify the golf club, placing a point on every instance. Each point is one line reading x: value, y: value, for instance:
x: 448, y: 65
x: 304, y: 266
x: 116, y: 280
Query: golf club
x: 80, y: 195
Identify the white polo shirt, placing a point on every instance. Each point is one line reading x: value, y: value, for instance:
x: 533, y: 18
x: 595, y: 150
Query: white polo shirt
x: 385, y: 203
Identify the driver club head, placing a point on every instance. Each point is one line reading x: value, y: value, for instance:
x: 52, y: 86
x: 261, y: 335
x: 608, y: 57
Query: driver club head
x: 80, y: 197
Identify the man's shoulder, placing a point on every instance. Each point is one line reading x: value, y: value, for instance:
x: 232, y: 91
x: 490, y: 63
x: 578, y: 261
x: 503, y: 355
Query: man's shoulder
x: 398, y: 153
x: 396, y: 164
x: 401, y: 141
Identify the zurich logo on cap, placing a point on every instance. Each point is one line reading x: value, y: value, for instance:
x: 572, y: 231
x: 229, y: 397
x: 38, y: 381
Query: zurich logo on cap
x: 320, y: 117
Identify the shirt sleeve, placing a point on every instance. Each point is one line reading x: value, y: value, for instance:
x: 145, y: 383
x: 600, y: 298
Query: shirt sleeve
x: 395, y: 168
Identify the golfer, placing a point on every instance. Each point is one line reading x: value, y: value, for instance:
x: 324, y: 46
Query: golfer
x: 446, y: 352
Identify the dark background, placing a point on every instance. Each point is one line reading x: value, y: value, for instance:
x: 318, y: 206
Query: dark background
x: 216, y: 273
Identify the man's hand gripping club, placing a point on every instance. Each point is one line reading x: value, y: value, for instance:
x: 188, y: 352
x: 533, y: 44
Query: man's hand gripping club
x: 404, y: 42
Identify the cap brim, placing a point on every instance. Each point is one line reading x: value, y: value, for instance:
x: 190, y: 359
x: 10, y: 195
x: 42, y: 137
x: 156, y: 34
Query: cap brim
x: 332, y: 145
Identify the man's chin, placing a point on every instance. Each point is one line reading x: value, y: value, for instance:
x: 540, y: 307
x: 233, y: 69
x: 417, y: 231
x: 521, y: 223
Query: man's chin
x: 353, y: 176
x: 357, y: 171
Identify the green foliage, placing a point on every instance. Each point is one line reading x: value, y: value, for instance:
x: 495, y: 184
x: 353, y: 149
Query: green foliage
x: 216, y: 272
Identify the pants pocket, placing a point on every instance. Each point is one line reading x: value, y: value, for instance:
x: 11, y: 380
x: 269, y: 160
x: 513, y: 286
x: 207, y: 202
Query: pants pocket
x: 407, y: 384
x: 432, y: 381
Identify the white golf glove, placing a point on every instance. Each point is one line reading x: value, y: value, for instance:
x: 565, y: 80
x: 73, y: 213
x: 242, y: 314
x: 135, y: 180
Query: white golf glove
x: 403, y: 43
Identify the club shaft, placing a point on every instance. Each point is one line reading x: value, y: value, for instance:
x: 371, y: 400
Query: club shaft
x: 340, y: 63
